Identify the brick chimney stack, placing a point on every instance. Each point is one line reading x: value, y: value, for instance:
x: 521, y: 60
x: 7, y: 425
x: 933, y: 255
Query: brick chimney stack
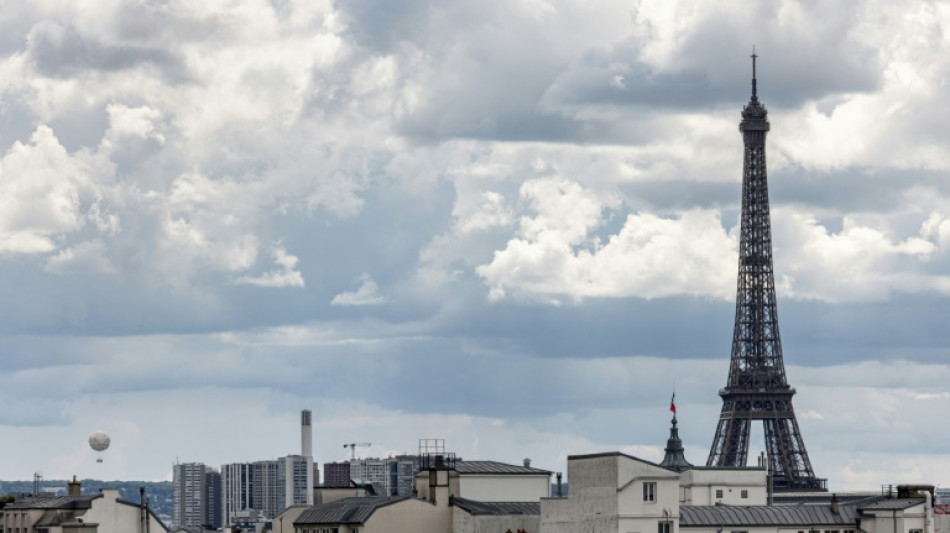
x: 75, y: 487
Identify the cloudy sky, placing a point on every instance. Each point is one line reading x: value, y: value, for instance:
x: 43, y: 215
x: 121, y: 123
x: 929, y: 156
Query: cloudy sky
x: 511, y: 224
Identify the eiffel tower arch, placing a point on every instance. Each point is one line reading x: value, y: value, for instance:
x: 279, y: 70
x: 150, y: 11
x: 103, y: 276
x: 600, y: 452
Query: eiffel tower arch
x: 757, y: 388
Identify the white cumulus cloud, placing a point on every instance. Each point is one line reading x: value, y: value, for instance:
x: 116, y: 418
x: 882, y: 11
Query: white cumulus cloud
x: 556, y: 254
x: 366, y: 294
x: 285, y: 275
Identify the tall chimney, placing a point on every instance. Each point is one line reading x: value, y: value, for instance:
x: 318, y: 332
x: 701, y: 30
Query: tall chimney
x: 306, y: 450
x: 306, y: 434
x: 75, y: 487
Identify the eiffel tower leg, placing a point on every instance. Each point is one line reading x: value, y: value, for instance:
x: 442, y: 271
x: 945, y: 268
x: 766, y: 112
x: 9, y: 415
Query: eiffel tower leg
x: 786, y: 449
x: 731, y: 444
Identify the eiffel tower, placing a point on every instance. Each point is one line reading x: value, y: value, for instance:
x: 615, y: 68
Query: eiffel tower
x: 757, y: 388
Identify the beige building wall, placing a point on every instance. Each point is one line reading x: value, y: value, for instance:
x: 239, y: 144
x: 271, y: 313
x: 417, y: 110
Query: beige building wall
x: 107, y: 513
x: 14, y: 519
x: 502, y: 488
x: 592, y: 506
x: 115, y: 517
x: 462, y: 522
x: 890, y: 521
x: 410, y: 516
x: 284, y: 522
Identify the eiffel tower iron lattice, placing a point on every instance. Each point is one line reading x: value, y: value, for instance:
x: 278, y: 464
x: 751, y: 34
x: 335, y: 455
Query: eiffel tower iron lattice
x: 757, y: 388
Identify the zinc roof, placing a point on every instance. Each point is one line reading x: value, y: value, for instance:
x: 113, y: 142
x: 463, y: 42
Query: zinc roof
x: 786, y: 515
x: 494, y: 467
x: 54, y: 502
x: 356, y: 510
x: 893, y: 503
x: 765, y: 515
x: 497, y: 508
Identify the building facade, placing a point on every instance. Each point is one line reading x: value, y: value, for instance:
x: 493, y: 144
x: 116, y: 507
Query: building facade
x: 102, y: 512
x: 336, y: 474
x: 212, y: 499
x: 236, y: 484
x: 196, y: 496
x: 265, y: 487
x: 371, y: 471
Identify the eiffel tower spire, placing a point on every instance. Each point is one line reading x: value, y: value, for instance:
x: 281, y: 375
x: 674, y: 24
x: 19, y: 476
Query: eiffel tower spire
x: 756, y: 388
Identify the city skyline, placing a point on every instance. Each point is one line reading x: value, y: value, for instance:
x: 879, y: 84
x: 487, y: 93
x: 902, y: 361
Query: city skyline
x: 511, y: 225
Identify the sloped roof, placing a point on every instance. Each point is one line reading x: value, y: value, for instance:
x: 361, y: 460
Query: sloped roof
x: 494, y: 467
x: 473, y: 507
x: 54, y: 502
x: 611, y: 454
x: 786, y: 515
x: 56, y: 517
x: 765, y: 515
x: 356, y: 510
x: 892, y: 503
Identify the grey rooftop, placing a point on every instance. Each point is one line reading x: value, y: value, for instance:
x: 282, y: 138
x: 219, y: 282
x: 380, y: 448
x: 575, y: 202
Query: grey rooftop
x: 494, y: 467
x: 497, y: 508
x: 354, y: 510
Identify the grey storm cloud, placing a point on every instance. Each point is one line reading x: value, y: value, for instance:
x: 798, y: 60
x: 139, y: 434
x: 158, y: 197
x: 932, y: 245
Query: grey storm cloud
x: 382, y: 26
x: 62, y: 51
x: 697, y: 77
x: 539, y: 200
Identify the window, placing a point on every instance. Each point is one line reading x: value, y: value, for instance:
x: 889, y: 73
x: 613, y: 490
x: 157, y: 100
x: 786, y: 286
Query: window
x: 649, y: 491
x: 745, y: 494
x: 915, y: 531
x: 719, y: 493
x: 663, y: 527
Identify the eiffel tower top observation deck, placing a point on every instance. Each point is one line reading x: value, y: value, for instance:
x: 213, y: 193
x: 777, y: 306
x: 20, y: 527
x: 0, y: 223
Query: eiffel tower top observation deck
x: 757, y: 388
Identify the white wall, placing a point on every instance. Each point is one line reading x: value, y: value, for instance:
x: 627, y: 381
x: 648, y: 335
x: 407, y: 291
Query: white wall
x: 606, y: 496
x: 699, y: 486
x: 115, y: 517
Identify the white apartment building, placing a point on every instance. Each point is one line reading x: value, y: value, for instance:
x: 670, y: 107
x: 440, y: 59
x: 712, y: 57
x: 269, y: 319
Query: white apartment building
x: 267, y: 487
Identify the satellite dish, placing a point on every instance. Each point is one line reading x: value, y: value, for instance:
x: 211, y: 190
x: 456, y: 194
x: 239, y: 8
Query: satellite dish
x: 99, y: 441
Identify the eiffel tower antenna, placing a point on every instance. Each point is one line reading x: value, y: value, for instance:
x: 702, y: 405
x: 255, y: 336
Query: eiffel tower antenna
x: 755, y: 96
x: 756, y: 388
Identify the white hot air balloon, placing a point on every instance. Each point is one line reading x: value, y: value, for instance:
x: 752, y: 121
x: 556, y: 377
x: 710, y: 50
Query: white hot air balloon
x: 99, y: 441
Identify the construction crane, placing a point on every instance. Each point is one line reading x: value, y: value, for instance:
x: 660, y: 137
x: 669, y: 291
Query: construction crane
x: 352, y: 446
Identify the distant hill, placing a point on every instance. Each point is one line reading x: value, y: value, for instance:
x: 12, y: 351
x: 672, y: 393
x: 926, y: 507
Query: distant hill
x: 158, y: 493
